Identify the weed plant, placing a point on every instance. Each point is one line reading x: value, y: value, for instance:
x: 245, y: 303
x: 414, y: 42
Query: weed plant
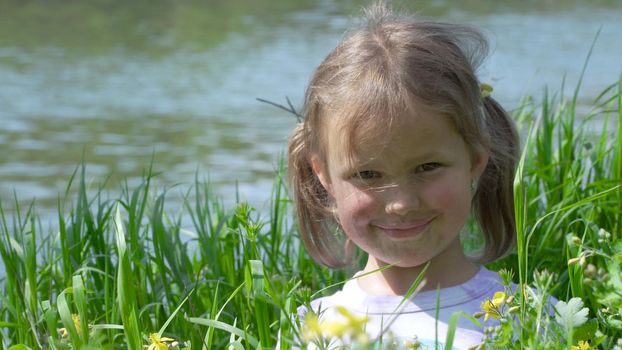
x: 124, y: 273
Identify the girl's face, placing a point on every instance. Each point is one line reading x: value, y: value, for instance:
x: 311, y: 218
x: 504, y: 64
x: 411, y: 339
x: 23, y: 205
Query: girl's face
x: 405, y: 197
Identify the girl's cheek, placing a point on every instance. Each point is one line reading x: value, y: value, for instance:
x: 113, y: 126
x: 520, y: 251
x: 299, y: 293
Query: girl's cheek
x: 358, y: 204
x: 440, y: 192
x: 447, y: 193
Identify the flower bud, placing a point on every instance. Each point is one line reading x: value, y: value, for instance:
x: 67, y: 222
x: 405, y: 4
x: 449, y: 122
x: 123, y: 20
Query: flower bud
x: 604, y: 234
x: 582, y: 260
x: 412, y: 344
x: 590, y: 271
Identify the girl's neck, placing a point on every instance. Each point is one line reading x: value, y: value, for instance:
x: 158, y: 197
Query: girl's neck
x: 445, y: 270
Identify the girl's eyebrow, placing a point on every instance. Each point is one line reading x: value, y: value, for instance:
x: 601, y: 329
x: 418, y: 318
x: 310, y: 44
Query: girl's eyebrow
x: 413, y: 158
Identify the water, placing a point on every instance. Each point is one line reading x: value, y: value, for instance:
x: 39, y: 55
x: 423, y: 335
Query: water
x: 118, y: 84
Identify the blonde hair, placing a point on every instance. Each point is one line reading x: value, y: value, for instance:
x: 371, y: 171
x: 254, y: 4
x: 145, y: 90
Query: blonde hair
x: 383, y: 69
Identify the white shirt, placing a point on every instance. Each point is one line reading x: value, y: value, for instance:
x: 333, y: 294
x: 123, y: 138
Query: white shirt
x: 418, y: 315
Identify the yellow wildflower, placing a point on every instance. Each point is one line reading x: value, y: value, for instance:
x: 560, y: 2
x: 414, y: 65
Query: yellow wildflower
x: 334, y: 328
x: 355, y: 323
x: 499, y: 298
x: 350, y: 324
x: 312, y: 328
x: 77, y: 323
x: 490, y: 307
x: 158, y: 342
x: 583, y: 345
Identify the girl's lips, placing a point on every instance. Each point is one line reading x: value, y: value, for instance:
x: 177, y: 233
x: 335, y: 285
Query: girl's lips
x: 405, y: 230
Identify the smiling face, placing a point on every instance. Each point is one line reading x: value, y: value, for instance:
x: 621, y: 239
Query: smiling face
x: 404, y: 197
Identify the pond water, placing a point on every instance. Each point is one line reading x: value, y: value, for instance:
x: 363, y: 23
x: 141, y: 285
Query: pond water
x: 117, y: 84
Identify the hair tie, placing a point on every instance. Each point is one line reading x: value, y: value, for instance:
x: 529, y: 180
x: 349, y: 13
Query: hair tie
x: 485, y: 89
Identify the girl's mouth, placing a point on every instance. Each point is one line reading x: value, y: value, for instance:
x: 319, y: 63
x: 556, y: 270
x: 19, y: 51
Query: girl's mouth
x: 409, y: 230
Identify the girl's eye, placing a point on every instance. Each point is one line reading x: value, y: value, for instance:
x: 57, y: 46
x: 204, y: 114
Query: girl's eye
x: 368, y: 175
x: 428, y: 167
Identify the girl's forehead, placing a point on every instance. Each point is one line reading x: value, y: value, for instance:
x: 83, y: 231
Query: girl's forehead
x: 362, y: 138
x: 365, y: 124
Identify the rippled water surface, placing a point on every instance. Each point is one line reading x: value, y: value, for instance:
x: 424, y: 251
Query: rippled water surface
x: 119, y: 84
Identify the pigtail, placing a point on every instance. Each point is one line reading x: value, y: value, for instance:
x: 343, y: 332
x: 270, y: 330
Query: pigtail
x: 493, y: 203
x: 312, y: 202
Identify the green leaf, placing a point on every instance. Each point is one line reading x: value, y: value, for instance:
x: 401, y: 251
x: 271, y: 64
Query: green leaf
x: 572, y: 314
x: 254, y: 278
x: 614, y: 323
x: 170, y: 318
x: 126, y: 295
x: 613, y: 268
x: 586, y: 331
x: 19, y: 347
x: 66, y: 317
x: 236, y: 345
x: 225, y: 327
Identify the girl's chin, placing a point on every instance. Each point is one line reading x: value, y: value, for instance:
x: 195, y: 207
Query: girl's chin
x: 404, y: 259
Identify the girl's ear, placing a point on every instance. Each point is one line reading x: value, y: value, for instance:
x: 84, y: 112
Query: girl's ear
x: 317, y: 165
x: 479, y: 162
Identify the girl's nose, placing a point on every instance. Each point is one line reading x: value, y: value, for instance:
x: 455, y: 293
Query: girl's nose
x: 400, y: 201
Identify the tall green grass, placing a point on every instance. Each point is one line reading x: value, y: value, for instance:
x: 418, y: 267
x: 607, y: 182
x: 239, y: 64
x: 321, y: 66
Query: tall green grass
x: 568, y: 208
x: 124, y: 272
x: 125, y: 265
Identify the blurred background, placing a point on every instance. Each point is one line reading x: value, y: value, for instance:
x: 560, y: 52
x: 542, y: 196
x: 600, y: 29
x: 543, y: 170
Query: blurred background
x: 119, y: 83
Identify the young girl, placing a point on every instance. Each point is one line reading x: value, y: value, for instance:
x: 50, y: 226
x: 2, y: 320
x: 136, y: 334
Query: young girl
x: 399, y: 145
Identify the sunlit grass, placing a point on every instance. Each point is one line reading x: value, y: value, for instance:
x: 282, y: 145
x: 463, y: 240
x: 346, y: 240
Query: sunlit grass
x: 125, y: 273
